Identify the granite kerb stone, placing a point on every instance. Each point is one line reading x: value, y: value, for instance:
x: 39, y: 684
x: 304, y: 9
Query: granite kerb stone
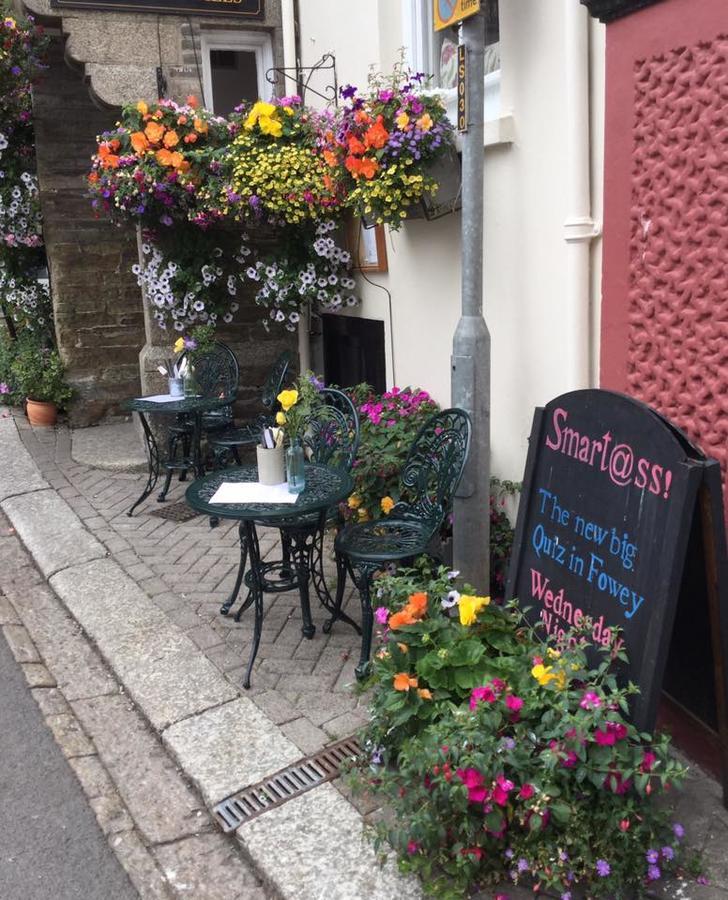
x: 51, y: 531
x: 20, y: 473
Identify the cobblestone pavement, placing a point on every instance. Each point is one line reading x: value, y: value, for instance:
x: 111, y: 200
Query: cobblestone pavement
x: 304, y: 686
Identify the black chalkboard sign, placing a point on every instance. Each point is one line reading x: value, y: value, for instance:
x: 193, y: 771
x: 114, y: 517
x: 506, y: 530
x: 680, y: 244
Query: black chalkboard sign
x: 249, y: 9
x: 613, y: 497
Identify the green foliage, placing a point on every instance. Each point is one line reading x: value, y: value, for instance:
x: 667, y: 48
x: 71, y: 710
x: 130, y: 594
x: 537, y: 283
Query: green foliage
x: 389, y: 423
x: 504, y: 757
x: 37, y: 373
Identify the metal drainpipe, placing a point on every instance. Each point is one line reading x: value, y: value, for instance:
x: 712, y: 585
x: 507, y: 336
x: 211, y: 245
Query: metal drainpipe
x: 579, y: 227
x: 290, y: 27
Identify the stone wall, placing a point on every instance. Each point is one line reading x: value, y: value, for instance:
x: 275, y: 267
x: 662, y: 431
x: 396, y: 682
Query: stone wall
x: 97, y: 302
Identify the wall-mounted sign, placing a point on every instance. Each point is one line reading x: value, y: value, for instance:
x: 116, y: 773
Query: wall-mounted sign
x: 462, y: 89
x: 248, y: 9
x: 620, y: 526
x: 450, y: 12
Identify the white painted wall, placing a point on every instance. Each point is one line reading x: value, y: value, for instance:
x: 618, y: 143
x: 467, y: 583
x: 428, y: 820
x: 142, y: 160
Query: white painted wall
x: 525, y: 210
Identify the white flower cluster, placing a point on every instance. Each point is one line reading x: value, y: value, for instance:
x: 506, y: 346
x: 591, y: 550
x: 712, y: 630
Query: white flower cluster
x: 286, y: 286
x: 28, y: 300
x: 183, y: 296
x: 20, y: 219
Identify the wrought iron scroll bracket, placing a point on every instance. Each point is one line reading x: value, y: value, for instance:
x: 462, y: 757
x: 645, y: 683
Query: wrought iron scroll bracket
x: 302, y: 76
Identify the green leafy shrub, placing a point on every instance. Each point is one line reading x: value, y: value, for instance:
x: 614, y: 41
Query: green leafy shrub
x: 504, y: 757
x: 38, y: 374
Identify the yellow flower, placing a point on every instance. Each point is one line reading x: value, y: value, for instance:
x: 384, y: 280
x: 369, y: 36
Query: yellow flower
x: 402, y: 120
x: 354, y: 502
x: 280, y: 418
x: 363, y: 515
x: 553, y: 654
x: 424, y: 122
x: 179, y: 345
x: 287, y: 399
x: 543, y: 674
x: 270, y: 126
x: 469, y: 607
x: 386, y: 503
x: 142, y: 107
x: 259, y: 109
x: 560, y: 680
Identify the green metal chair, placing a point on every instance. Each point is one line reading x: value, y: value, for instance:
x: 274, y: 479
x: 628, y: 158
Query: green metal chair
x: 217, y: 373
x: 225, y: 444
x: 430, y: 476
x: 331, y: 439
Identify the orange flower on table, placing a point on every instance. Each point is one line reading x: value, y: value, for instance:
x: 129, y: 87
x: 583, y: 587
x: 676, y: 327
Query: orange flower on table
x: 200, y: 126
x: 403, y: 681
x: 171, y: 139
x: 377, y: 135
x: 142, y: 108
x: 154, y: 132
x: 139, y: 142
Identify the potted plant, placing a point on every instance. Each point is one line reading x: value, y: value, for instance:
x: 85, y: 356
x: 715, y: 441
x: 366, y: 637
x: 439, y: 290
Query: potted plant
x: 39, y: 376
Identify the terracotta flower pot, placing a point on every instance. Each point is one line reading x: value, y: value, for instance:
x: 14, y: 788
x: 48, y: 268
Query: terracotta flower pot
x: 41, y: 413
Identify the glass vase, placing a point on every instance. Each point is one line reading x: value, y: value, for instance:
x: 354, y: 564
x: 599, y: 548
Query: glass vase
x: 192, y: 388
x: 295, y: 471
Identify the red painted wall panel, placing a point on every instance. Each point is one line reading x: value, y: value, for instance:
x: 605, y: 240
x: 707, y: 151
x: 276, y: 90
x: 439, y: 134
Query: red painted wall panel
x: 665, y: 270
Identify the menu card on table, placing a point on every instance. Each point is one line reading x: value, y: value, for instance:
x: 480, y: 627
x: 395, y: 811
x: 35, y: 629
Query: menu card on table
x: 252, y: 492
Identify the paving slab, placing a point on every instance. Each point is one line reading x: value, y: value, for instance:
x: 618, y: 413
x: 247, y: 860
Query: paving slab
x: 106, y: 601
x: 20, y: 473
x: 166, y: 675
x: 163, y: 807
x: 116, y: 447
x: 229, y: 748
x: 321, y: 851
x: 51, y: 530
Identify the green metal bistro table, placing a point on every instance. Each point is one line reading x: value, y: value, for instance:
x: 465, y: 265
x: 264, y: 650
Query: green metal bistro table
x: 191, y: 407
x: 302, y: 522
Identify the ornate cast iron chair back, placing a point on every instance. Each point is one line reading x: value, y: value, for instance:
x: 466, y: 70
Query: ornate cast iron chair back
x: 274, y: 380
x: 217, y: 372
x: 332, y: 437
x: 434, y: 467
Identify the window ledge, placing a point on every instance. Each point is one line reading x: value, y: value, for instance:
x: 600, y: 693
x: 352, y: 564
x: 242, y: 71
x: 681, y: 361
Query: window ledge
x: 500, y: 131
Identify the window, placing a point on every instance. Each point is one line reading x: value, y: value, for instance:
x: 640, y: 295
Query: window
x: 435, y: 52
x: 234, y: 64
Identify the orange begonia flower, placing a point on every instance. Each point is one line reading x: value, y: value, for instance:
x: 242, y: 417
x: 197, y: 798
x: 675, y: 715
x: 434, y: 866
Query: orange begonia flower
x: 114, y: 145
x: 139, y: 142
x: 403, y: 682
x: 403, y: 648
x: 200, y: 126
x: 110, y: 162
x: 164, y: 157
x: 182, y: 120
x: 377, y: 135
x: 190, y: 138
x: 403, y: 617
x: 418, y: 604
x: 368, y: 167
x: 142, y: 107
x: 330, y: 158
x: 328, y: 183
x: 424, y: 694
x: 93, y: 177
x: 192, y: 101
x: 361, y: 117
x: 171, y: 139
x: 154, y: 132
x: 355, y: 146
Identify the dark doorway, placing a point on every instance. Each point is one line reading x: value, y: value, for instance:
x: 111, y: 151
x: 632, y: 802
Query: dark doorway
x: 354, y: 351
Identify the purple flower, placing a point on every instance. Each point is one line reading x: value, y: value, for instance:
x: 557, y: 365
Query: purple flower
x: 603, y: 868
x: 381, y: 614
x: 165, y: 219
x: 385, y: 96
x: 653, y: 873
x: 508, y: 854
x: 668, y: 853
x: 678, y: 830
x: 4, y: 389
x: 652, y: 856
x: 348, y: 92
x: 316, y: 382
x: 701, y: 879
x: 522, y: 865
x: 566, y: 896
x: 190, y: 343
x: 377, y: 756
x: 16, y: 70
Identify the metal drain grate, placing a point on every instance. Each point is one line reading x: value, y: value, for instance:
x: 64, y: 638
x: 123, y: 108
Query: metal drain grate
x: 176, y: 512
x: 290, y: 782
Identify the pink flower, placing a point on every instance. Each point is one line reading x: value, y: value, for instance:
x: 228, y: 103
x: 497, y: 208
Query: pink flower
x: 570, y: 759
x: 590, y: 700
x: 484, y: 694
x: 605, y: 738
x: 503, y: 787
x: 474, y: 782
x: 527, y: 791
x: 648, y: 761
x: 4, y: 389
x: 472, y: 851
x: 514, y: 703
x: 381, y: 614
x: 412, y: 847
